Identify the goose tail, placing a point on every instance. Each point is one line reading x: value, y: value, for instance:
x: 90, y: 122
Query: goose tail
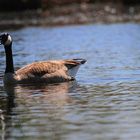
x: 80, y: 60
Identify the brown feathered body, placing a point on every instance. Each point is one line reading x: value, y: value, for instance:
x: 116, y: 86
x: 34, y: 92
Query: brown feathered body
x: 45, y: 72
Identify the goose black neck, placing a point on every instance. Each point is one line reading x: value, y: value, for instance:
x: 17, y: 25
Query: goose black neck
x: 9, y: 59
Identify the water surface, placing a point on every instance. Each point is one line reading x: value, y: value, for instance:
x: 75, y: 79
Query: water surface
x: 102, y: 104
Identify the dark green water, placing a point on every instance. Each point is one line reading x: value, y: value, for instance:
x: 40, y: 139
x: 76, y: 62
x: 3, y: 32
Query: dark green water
x: 104, y: 102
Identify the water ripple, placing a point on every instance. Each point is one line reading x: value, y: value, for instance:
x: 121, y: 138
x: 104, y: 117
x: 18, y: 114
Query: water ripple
x: 102, y: 104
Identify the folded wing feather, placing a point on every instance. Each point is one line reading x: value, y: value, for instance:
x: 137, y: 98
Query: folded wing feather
x: 47, y: 70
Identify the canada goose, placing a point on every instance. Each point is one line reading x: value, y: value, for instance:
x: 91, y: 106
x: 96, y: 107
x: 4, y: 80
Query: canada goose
x: 38, y: 72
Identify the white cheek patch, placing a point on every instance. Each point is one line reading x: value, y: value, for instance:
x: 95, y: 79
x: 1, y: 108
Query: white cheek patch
x: 9, y: 40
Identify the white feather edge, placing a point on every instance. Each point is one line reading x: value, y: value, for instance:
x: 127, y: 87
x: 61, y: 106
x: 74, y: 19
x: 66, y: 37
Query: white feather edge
x: 72, y: 72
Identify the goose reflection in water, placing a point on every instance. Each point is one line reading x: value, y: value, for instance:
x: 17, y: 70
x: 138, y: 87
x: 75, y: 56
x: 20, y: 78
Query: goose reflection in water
x: 39, y: 103
x: 54, y: 94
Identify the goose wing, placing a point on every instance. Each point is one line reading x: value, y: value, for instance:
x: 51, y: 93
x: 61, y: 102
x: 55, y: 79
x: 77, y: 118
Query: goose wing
x: 50, y: 70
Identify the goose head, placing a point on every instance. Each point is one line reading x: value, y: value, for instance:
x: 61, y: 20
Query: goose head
x: 5, y: 39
